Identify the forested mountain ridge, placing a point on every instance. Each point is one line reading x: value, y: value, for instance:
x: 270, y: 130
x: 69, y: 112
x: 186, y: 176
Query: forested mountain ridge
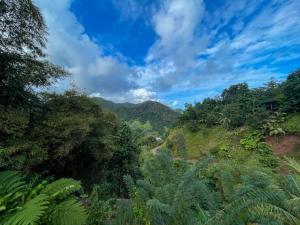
x: 158, y: 114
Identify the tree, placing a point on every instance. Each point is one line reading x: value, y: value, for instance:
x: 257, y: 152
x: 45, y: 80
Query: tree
x: 124, y: 160
x: 22, y: 67
x: 291, y: 89
x: 68, y: 129
x: 22, y: 60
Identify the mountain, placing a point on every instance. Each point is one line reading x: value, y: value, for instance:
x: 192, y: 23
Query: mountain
x: 159, y: 115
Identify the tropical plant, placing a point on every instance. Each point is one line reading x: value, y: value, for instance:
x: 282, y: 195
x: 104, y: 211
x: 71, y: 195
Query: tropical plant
x: 26, y: 201
x: 254, y: 143
x: 273, y: 125
x: 209, y: 192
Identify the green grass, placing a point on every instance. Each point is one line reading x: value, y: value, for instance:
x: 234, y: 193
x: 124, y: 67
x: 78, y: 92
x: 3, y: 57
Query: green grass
x: 207, y: 139
x: 292, y: 124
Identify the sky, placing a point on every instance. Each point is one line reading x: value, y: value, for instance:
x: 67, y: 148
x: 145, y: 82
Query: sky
x: 172, y: 51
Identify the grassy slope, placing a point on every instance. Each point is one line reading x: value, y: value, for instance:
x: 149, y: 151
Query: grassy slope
x: 207, y: 139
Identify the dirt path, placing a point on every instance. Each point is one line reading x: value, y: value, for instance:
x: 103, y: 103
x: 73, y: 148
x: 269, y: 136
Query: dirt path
x: 156, y: 150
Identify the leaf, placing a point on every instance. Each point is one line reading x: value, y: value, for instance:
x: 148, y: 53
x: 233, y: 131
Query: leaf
x: 30, y: 213
x: 11, y: 182
x: 293, y: 164
x: 69, y: 212
x: 62, y: 187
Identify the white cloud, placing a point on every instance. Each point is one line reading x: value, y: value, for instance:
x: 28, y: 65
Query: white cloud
x: 174, y: 103
x: 195, y: 48
x: 69, y: 46
x: 173, y: 54
x: 134, y: 95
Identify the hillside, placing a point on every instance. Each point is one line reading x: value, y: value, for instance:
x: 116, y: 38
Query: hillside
x: 157, y: 114
x: 217, y: 139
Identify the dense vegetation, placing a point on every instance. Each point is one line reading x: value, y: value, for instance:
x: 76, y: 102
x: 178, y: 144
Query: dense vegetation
x: 159, y: 115
x: 66, y: 161
x: 240, y: 106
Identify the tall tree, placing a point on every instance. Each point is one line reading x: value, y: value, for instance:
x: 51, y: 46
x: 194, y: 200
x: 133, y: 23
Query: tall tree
x: 22, y: 58
x: 291, y: 89
x: 125, y: 160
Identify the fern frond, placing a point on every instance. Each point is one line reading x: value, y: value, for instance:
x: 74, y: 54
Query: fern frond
x: 291, y: 185
x: 62, y: 186
x: 11, y: 182
x: 276, y: 213
x: 293, y: 164
x: 30, y: 213
x: 159, y: 212
x: 293, y: 206
x: 125, y: 213
x: 69, y: 212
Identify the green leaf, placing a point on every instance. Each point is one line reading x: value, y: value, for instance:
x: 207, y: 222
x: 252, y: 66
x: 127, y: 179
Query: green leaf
x: 30, y: 213
x: 62, y: 187
x: 69, y: 212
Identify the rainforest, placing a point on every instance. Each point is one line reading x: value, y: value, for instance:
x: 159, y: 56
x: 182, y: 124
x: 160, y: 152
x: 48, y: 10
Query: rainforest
x: 71, y: 157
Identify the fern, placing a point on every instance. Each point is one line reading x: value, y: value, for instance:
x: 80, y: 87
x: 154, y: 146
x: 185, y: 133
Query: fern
x: 30, y: 213
x: 62, y: 187
x: 159, y: 213
x: 69, y: 212
x: 276, y: 213
x: 22, y: 203
x: 11, y: 182
x: 293, y: 164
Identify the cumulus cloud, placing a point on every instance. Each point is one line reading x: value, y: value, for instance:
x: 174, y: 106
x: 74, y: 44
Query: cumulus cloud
x: 200, y: 45
x: 173, y: 54
x: 134, y: 95
x: 236, y: 42
x: 69, y: 46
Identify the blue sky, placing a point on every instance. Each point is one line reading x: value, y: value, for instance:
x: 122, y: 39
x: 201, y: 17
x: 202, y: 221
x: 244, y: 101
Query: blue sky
x: 173, y: 51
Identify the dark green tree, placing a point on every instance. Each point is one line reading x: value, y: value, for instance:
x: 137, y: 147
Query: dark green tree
x: 23, y: 66
x: 291, y: 90
x: 22, y: 59
x: 124, y: 161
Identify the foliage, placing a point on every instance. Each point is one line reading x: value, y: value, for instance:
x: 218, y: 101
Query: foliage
x: 124, y: 160
x: 206, y: 139
x: 291, y: 90
x: 99, y: 210
x: 209, y: 192
x: 22, y: 60
x: 143, y: 134
x: 292, y: 123
x: 253, y: 142
x: 240, y: 106
x: 273, y: 125
x: 28, y: 202
x: 177, y: 144
x: 61, y: 130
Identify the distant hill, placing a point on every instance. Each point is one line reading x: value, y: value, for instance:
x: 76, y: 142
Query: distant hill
x: 159, y: 115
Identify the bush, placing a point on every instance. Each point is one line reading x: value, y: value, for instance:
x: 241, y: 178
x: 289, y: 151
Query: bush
x: 292, y: 124
x: 253, y: 142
